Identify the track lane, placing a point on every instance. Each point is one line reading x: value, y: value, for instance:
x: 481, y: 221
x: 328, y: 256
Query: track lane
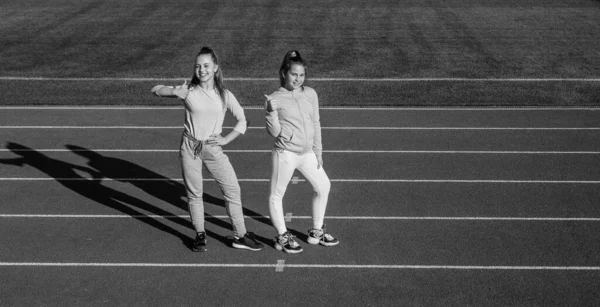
x: 77, y: 286
x: 339, y: 166
x: 441, y: 242
x: 376, y: 140
x: 330, y: 117
x: 345, y: 200
x: 437, y: 243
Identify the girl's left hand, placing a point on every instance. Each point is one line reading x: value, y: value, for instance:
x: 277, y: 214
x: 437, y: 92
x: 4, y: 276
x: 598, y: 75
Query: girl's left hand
x: 216, y: 140
x: 319, y: 162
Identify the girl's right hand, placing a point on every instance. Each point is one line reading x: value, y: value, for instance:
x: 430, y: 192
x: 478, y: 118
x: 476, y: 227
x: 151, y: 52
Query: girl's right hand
x: 270, y: 104
x: 181, y: 91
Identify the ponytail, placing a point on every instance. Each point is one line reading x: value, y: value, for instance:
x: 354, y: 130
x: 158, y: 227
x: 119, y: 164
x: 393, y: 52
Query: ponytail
x: 220, y: 87
x: 291, y: 57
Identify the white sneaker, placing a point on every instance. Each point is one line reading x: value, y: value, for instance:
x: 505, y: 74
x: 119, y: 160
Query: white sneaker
x: 320, y: 236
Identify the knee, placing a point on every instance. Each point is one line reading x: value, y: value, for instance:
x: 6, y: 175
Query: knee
x: 323, y: 188
x: 275, y: 198
x: 232, y: 192
x: 194, y: 198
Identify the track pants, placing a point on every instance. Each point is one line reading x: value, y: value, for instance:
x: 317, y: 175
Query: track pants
x: 193, y: 155
x: 283, y: 165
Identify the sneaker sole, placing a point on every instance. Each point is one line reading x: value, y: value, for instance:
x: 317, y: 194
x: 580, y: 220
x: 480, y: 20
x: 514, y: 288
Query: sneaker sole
x: 288, y: 251
x: 329, y: 244
x: 199, y: 250
x: 315, y: 241
x: 240, y: 246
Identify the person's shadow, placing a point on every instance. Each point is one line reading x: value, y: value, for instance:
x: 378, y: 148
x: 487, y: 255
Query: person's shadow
x: 159, y: 186
x: 66, y: 174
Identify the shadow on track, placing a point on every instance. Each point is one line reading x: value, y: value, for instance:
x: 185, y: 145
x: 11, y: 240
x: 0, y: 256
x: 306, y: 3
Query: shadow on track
x: 66, y: 174
x: 103, y: 167
x: 161, y: 187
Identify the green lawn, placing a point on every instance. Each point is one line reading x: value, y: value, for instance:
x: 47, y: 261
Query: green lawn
x: 340, y: 39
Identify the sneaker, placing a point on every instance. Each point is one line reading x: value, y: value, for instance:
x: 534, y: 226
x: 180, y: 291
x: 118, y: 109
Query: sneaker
x: 320, y: 236
x: 199, y: 244
x: 286, y: 243
x: 248, y: 241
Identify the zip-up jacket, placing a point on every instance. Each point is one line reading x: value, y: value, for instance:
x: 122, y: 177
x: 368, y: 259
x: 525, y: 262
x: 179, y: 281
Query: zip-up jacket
x: 295, y: 124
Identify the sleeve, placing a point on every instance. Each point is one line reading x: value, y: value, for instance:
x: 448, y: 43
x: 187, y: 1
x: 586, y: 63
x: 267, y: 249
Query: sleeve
x: 273, y: 125
x: 238, y: 113
x: 317, y: 144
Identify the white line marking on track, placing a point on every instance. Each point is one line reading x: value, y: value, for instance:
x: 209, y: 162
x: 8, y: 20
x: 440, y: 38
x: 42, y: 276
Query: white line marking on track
x: 288, y: 217
x: 85, y: 108
x: 305, y: 217
x: 461, y: 128
x: 326, y: 151
x: 14, y: 78
x: 304, y: 180
x: 93, y: 127
x: 324, y: 128
x: 301, y: 266
x: 279, y: 266
x: 341, y: 108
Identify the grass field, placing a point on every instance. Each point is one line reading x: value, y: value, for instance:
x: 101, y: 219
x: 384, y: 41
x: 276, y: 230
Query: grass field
x: 431, y: 50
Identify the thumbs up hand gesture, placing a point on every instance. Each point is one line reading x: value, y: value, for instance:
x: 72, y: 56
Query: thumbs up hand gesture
x: 271, y: 104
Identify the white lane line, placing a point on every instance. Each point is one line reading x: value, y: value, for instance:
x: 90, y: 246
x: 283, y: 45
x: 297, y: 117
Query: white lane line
x: 304, y: 180
x: 326, y: 151
x: 324, y: 128
x: 305, y: 217
x: 461, y: 128
x: 332, y: 108
x: 94, y: 127
x: 250, y: 79
x: 301, y: 266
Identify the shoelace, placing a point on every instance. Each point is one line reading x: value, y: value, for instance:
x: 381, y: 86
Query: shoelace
x: 317, y: 233
x: 289, y: 239
x: 322, y: 233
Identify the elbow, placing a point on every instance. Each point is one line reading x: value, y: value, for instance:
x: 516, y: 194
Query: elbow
x: 272, y: 131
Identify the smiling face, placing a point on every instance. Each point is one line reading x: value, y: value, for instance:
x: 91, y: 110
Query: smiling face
x: 205, y: 68
x: 294, y: 78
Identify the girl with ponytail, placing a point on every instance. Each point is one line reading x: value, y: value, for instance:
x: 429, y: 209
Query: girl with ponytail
x: 206, y: 101
x: 294, y: 123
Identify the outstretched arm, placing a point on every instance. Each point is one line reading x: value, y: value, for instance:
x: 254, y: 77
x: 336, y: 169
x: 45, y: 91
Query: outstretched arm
x: 180, y: 91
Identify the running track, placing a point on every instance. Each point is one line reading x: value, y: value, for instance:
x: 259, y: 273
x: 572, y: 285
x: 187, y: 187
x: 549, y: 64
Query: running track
x: 433, y: 207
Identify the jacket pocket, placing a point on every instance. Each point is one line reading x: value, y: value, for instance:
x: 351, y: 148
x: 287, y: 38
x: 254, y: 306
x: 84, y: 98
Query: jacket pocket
x: 287, y: 133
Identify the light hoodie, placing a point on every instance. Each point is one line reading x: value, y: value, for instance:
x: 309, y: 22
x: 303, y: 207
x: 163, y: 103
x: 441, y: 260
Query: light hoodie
x: 295, y: 124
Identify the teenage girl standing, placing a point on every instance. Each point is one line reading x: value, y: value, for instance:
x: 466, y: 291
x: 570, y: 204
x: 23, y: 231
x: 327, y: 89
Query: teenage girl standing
x: 293, y: 120
x: 206, y: 102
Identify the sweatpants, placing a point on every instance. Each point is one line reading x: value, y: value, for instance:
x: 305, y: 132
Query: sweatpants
x: 217, y: 164
x: 283, y: 165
